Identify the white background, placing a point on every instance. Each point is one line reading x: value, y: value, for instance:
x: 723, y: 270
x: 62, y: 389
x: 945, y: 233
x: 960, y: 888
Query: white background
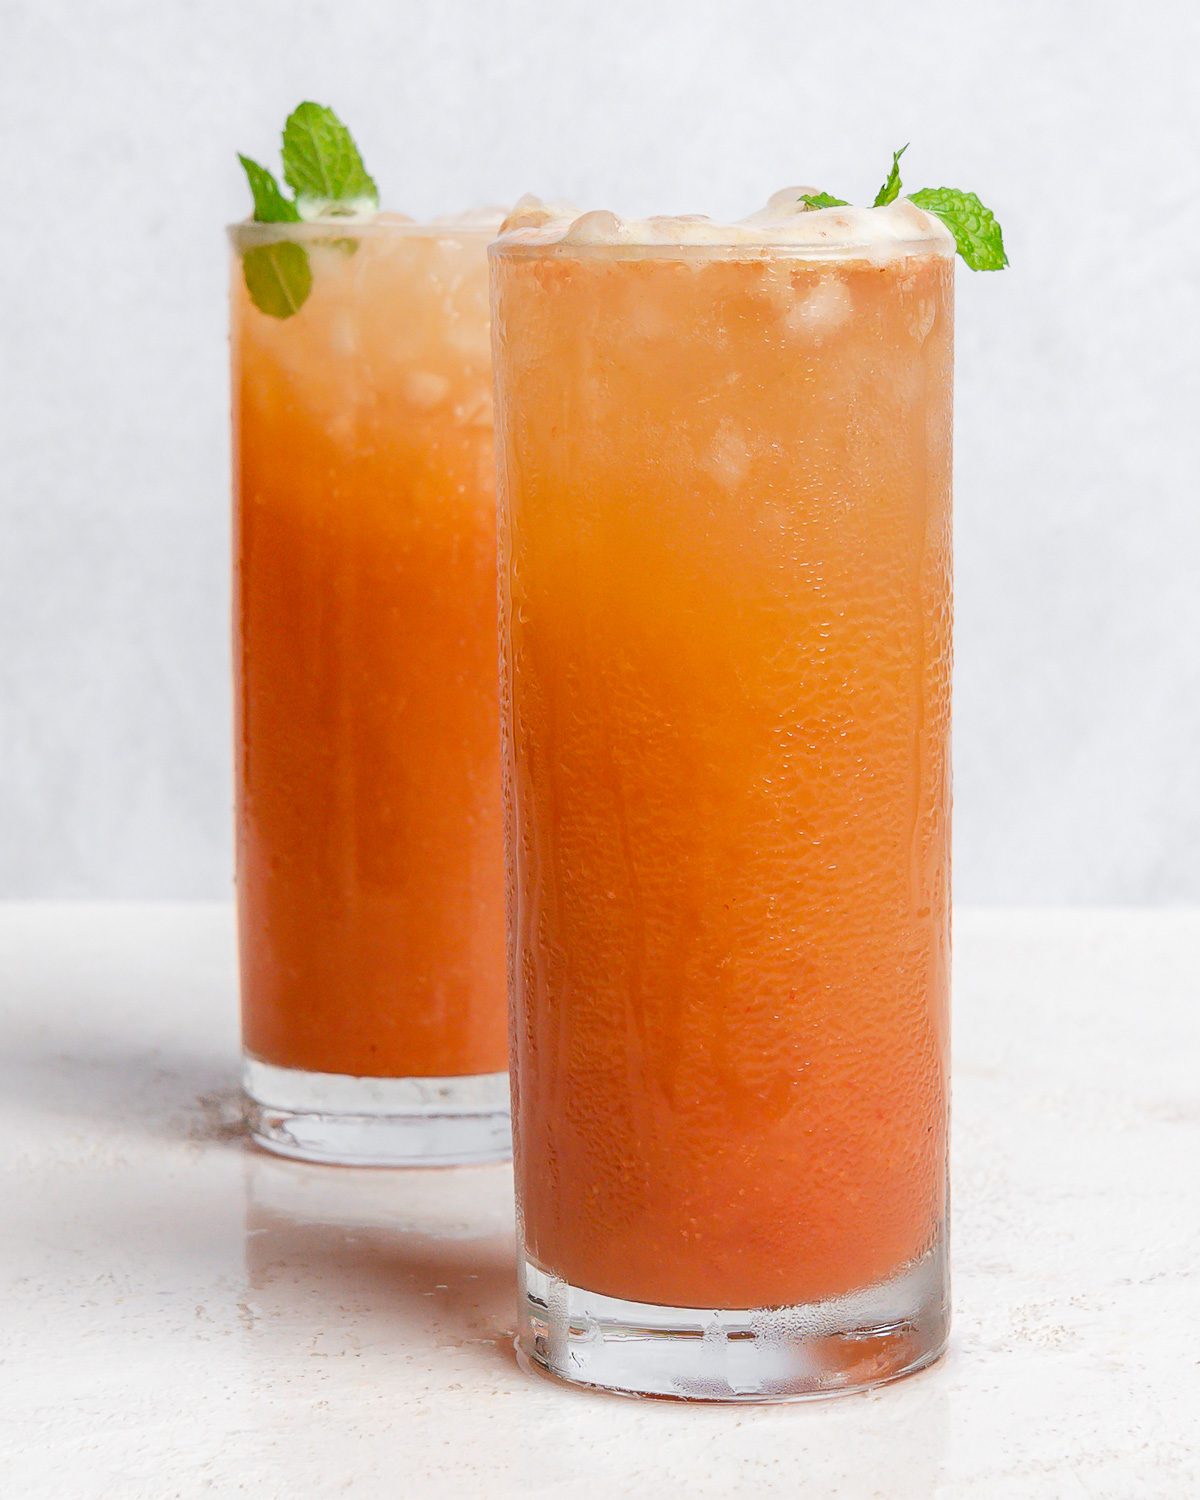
x: 1078, y: 687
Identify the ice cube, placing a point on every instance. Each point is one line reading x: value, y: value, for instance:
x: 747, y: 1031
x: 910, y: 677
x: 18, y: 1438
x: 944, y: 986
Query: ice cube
x: 343, y: 335
x: 425, y: 388
x: 600, y: 227
x: 731, y: 453
x: 475, y: 409
x: 821, y: 311
x: 531, y: 212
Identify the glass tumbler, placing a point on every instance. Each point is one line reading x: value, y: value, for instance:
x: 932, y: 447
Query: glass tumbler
x: 725, y: 578
x: 369, y: 829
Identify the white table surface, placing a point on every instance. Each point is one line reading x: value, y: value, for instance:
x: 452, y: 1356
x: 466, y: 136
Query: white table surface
x: 185, y: 1316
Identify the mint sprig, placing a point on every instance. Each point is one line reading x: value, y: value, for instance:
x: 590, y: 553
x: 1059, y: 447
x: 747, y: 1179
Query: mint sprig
x: 890, y: 190
x: 977, y: 234
x: 278, y: 277
x: 270, y: 206
x: 322, y: 166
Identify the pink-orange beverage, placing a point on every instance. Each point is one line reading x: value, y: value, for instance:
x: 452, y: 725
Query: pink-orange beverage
x: 724, y: 463
x: 370, y: 882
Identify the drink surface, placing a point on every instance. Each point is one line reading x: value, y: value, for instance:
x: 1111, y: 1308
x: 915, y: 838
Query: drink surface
x: 368, y: 825
x: 725, y: 625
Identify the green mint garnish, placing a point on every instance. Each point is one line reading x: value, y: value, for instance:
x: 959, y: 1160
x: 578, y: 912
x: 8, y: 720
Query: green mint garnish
x: 278, y: 277
x: 270, y: 206
x: 977, y: 235
x: 890, y: 190
x: 322, y: 166
x: 974, y: 227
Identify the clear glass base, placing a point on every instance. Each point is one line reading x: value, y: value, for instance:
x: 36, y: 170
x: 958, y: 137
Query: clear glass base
x: 377, y: 1122
x: 831, y: 1348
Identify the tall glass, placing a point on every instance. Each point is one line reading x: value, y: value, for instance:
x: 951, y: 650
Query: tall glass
x: 369, y: 828
x: 725, y: 577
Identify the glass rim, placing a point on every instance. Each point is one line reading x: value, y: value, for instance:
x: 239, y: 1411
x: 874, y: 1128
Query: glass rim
x: 250, y: 232
x: 872, y: 252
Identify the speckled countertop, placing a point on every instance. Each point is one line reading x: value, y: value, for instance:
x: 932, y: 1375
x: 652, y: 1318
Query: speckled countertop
x: 187, y: 1317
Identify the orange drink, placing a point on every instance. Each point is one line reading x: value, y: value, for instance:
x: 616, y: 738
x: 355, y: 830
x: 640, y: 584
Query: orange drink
x: 369, y: 841
x: 724, y: 474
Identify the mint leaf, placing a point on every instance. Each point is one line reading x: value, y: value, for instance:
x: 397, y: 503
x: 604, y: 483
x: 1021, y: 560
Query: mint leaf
x: 270, y: 206
x: 278, y: 277
x: 974, y: 227
x: 890, y: 190
x: 322, y: 166
x: 822, y: 200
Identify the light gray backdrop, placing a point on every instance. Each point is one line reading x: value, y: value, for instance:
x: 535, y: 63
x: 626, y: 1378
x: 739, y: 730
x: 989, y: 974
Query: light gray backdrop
x: 1078, y: 688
